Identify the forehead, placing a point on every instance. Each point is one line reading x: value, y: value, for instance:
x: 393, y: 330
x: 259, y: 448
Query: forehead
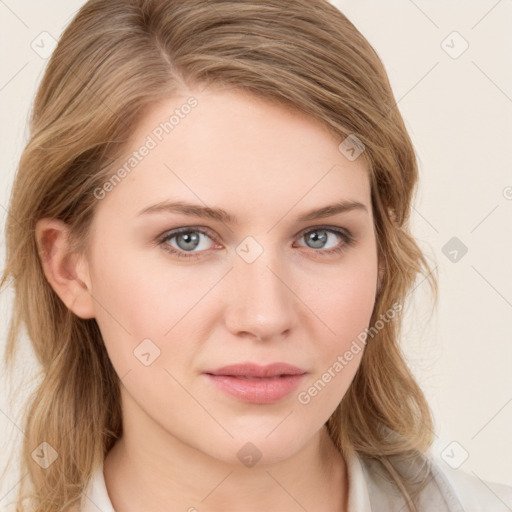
x: 235, y: 150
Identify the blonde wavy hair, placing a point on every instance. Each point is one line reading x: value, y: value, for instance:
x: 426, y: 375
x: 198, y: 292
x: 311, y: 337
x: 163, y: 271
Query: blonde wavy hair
x: 116, y: 58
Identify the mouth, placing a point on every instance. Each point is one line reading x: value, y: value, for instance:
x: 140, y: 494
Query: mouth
x: 251, y: 378
x: 256, y: 384
x: 251, y: 370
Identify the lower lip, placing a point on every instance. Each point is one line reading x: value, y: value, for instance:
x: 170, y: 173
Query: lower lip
x: 257, y: 391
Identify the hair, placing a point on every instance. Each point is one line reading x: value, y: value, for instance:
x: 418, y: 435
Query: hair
x: 113, y: 61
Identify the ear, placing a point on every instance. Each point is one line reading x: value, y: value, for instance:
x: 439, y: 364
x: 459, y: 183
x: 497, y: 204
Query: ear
x: 67, y: 272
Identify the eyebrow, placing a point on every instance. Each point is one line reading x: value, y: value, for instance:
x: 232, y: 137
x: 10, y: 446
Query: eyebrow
x: 221, y: 215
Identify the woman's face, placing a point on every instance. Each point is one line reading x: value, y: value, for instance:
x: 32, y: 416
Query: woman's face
x: 265, y: 288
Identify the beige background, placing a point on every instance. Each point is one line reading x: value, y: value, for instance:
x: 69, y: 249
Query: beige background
x: 458, y: 108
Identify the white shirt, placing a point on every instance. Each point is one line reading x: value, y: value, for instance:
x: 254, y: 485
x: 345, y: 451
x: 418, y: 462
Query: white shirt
x: 447, y: 491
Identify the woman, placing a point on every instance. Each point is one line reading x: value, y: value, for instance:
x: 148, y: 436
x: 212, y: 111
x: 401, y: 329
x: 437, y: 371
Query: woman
x: 209, y: 244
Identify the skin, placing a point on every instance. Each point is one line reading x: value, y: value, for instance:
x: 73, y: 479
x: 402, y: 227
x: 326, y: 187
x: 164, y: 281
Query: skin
x: 266, y: 165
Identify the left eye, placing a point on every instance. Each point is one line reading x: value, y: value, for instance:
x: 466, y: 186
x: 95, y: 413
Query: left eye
x: 188, y: 239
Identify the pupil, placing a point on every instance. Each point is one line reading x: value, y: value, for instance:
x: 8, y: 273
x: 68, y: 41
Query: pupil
x: 189, y: 239
x: 317, y: 239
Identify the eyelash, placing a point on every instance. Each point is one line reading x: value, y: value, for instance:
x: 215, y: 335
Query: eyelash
x: 347, y: 237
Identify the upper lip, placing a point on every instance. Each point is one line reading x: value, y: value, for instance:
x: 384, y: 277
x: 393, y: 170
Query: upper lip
x: 255, y: 370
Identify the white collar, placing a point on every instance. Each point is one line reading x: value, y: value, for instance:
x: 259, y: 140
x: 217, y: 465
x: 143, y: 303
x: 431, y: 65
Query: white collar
x: 96, y: 496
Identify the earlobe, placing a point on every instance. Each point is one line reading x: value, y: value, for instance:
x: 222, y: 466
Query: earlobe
x: 67, y: 272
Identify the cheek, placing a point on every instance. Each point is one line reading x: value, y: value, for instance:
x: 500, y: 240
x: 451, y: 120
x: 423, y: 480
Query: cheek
x: 147, y: 296
x: 337, y: 354
x: 351, y: 303
x: 146, y: 310
x: 343, y: 305
x: 343, y: 299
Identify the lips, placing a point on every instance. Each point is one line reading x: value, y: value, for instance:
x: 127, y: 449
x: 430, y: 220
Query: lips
x: 249, y: 382
x: 254, y: 371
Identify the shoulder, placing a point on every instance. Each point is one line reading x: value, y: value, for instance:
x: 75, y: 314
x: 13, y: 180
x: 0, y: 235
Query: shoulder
x: 443, y: 489
x: 472, y: 492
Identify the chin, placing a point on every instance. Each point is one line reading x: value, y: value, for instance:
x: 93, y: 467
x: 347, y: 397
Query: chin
x: 256, y: 448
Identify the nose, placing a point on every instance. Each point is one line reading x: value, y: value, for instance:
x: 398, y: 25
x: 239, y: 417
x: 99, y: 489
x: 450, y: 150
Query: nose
x: 261, y: 303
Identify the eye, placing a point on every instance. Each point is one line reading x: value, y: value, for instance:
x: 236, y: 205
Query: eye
x: 318, y: 237
x: 186, y: 240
